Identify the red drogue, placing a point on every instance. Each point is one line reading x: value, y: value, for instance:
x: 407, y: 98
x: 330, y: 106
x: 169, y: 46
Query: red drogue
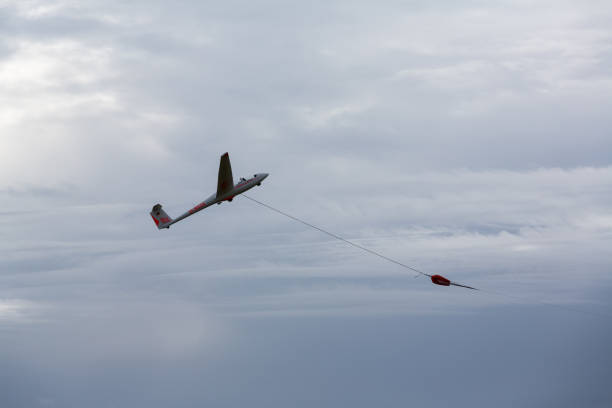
x: 440, y: 280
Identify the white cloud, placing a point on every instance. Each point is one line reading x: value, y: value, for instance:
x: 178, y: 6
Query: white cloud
x: 18, y: 310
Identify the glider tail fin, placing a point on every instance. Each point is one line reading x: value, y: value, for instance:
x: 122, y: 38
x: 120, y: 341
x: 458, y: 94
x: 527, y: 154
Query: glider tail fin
x: 162, y: 220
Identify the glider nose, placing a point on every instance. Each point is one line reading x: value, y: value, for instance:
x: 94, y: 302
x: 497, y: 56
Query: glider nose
x: 260, y: 177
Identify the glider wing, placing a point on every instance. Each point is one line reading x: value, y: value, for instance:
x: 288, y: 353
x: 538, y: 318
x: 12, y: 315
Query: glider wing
x: 463, y: 286
x: 226, y: 180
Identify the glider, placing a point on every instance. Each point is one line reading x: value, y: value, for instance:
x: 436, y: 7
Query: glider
x: 226, y: 191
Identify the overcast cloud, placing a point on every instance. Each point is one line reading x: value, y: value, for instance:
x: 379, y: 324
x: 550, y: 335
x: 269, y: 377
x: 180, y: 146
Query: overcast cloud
x: 470, y: 139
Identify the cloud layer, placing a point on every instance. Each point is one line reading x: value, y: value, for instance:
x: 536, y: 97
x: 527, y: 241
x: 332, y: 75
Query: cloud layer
x: 469, y: 139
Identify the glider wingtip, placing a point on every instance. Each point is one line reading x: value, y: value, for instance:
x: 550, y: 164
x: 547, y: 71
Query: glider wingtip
x: 464, y: 286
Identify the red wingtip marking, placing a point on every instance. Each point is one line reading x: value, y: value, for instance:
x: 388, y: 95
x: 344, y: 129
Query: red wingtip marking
x: 440, y: 280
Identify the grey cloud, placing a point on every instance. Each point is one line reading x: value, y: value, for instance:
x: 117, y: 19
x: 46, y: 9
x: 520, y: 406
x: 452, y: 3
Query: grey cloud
x: 468, y: 139
x: 351, y: 366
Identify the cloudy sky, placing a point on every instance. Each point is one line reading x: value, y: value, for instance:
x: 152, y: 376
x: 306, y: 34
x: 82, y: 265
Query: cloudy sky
x: 470, y: 139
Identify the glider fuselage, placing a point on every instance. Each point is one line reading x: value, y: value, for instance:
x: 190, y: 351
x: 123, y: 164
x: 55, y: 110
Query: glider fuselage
x: 239, y: 188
